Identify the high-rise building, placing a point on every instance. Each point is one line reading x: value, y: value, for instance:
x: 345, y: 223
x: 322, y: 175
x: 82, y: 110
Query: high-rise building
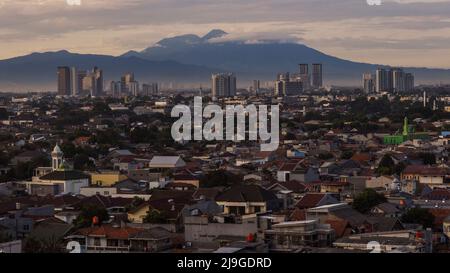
x: 133, y: 88
x: 368, y: 83
x: 74, y: 82
x: 125, y: 81
x: 381, y: 80
x: 256, y: 86
x: 64, y: 83
x: 394, y: 80
x: 115, y: 89
x: 304, y: 76
x: 223, y: 85
x: 87, y: 83
x: 80, y: 77
x: 409, y: 82
x: 317, y: 76
x: 287, y: 86
x: 150, y: 89
x: 97, y: 76
x: 304, y: 69
x: 398, y: 80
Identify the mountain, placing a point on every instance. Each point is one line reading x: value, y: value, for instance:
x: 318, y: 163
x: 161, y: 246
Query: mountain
x: 264, y: 59
x: 38, y: 70
x: 191, y: 59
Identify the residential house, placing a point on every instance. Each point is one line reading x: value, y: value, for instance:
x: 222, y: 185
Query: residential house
x: 431, y: 176
x: 290, y: 236
x: 107, y: 177
x: 312, y: 200
x: 247, y: 199
x: 297, y: 171
x: 387, y: 210
x: 122, y: 239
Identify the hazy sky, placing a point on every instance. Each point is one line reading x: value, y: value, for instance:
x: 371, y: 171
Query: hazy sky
x: 398, y: 32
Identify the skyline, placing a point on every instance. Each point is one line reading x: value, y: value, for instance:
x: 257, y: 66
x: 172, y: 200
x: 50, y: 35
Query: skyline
x: 387, y: 34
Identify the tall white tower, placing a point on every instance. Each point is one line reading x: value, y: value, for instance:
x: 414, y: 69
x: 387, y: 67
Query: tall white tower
x: 57, y: 158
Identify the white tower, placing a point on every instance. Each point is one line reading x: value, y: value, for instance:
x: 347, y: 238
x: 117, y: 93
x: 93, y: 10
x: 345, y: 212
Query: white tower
x: 57, y: 158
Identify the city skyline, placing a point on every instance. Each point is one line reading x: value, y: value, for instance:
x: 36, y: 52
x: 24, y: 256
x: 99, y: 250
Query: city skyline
x: 397, y: 33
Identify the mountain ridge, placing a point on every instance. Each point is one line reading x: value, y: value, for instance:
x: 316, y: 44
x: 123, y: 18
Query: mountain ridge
x: 191, y: 59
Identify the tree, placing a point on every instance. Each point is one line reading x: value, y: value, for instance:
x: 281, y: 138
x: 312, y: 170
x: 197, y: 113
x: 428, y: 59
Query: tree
x: 347, y: 155
x: 367, y: 200
x: 137, y: 201
x: 41, y: 245
x: 5, y: 237
x: 428, y: 158
x: 419, y: 216
x: 88, y: 212
x: 386, y: 166
x: 82, y: 162
x: 156, y: 217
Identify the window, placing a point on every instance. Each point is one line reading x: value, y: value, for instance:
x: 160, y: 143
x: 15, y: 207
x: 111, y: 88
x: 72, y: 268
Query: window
x: 26, y: 227
x: 97, y: 242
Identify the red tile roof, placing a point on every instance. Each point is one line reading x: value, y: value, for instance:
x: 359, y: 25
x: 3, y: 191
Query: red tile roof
x: 425, y: 170
x: 310, y: 200
x: 107, y: 231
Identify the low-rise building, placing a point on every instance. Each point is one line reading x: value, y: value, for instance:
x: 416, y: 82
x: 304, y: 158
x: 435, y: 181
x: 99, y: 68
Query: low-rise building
x: 290, y: 236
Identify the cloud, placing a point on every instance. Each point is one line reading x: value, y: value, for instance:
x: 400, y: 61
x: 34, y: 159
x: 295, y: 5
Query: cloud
x: 335, y: 26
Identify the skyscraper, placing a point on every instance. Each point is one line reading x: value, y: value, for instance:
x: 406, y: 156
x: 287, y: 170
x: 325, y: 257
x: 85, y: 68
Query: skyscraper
x: 97, y: 75
x: 368, y: 83
x: 304, y: 69
x: 133, y: 88
x: 223, y: 85
x: 398, y: 80
x: 317, y: 76
x: 256, y: 86
x: 382, y: 80
x: 125, y: 81
x: 74, y: 82
x: 64, y: 82
x: 150, y: 89
x: 409, y: 82
x: 304, y: 76
x: 80, y: 77
x: 115, y: 89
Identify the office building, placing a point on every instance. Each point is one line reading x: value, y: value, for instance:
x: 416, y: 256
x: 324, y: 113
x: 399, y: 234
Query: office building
x: 64, y: 82
x: 223, y: 85
x: 317, y: 76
